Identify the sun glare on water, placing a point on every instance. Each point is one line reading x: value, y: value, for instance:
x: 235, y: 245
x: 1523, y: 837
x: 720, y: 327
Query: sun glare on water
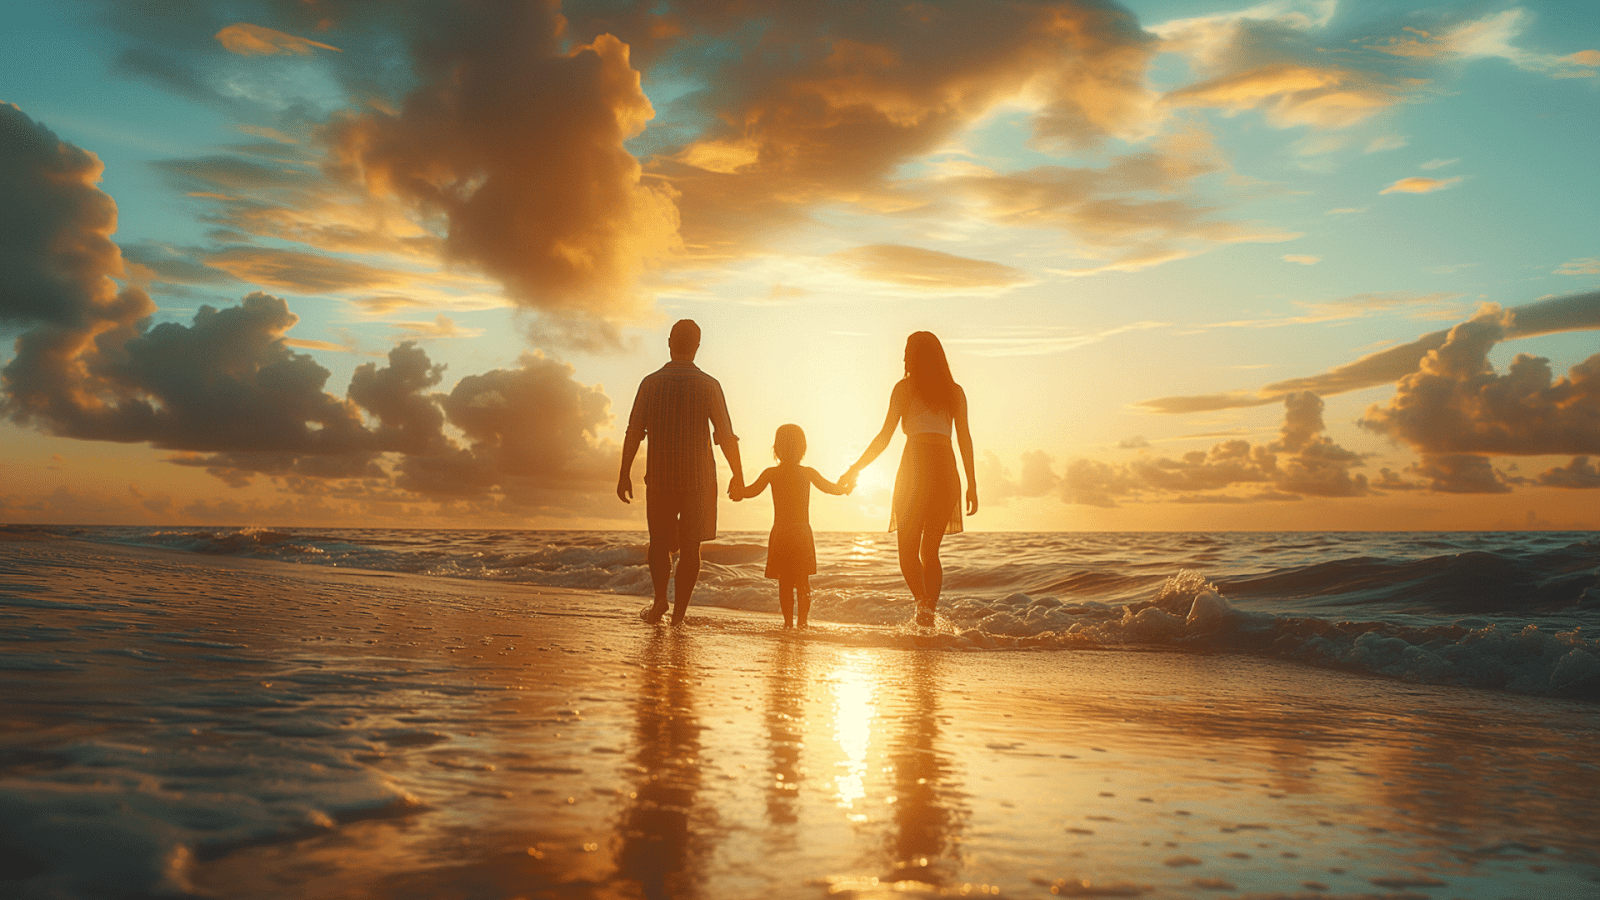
x: 855, y: 706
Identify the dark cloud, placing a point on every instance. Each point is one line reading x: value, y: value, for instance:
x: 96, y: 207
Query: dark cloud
x: 1576, y: 312
x: 1460, y: 473
x: 228, y: 393
x: 57, y: 260
x: 1456, y: 403
x: 1580, y: 473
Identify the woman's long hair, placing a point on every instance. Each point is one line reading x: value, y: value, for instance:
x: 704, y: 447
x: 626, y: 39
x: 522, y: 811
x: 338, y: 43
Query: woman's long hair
x: 929, y: 372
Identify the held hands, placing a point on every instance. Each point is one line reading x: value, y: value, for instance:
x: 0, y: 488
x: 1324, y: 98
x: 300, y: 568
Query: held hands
x: 735, y: 490
x: 848, y: 479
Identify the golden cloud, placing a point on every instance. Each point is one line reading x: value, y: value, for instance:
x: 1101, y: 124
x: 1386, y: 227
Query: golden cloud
x: 1419, y: 184
x: 928, y: 269
x: 246, y: 39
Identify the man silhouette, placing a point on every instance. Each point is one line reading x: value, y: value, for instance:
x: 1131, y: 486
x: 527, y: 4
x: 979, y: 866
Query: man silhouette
x: 673, y: 408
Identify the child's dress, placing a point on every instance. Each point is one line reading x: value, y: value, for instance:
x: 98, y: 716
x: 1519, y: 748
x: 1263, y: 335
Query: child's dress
x: 791, y: 552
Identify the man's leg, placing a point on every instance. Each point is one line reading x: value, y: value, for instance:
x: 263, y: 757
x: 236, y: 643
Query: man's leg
x: 661, y: 514
x: 660, y: 557
x: 688, y: 574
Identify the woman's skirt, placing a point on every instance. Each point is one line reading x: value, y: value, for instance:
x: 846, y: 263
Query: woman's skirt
x: 791, y: 552
x: 927, y: 488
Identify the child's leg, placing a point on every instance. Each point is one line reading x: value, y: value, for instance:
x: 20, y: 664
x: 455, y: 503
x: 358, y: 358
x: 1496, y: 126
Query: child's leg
x: 803, y: 588
x: 786, y: 600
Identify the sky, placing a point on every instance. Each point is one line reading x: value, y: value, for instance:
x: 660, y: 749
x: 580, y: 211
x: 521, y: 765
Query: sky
x: 1301, y: 265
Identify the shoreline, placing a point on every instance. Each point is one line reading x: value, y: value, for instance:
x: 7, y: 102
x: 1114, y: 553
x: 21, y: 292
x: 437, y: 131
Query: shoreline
x: 259, y: 729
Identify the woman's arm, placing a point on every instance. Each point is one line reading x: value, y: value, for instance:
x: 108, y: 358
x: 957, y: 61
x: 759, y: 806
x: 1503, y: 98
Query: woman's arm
x: 964, y: 441
x: 881, y: 442
x: 824, y: 485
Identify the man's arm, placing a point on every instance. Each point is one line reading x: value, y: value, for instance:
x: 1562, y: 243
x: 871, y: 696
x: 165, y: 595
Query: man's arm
x: 630, y: 443
x: 630, y: 449
x: 730, y: 450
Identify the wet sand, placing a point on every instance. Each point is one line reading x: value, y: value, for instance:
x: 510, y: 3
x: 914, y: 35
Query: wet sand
x: 177, y: 724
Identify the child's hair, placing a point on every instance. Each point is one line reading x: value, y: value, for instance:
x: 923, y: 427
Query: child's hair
x: 789, y: 445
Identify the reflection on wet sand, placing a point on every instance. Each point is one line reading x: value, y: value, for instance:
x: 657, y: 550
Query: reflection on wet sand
x: 662, y: 842
x: 785, y: 720
x: 927, y: 803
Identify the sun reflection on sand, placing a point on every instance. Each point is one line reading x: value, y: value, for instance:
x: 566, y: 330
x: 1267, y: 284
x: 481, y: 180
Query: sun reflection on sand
x: 855, y: 707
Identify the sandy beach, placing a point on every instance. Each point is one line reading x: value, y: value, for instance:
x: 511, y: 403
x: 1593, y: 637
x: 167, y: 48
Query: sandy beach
x: 181, y: 725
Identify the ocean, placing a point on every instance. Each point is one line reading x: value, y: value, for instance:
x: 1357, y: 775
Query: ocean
x: 1513, y: 611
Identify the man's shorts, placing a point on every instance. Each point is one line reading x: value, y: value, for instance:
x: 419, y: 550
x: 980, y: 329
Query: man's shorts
x: 677, y: 516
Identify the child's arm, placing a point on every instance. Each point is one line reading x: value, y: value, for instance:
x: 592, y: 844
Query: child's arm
x: 755, y: 489
x: 824, y: 485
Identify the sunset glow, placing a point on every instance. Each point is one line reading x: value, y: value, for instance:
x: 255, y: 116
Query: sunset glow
x: 1313, y: 264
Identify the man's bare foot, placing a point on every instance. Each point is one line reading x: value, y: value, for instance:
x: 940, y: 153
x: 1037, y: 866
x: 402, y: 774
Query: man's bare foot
x: 924, y: 614
x: 651, y: 615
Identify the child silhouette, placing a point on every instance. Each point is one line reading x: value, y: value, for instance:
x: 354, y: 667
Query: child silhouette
x: 791, y: 554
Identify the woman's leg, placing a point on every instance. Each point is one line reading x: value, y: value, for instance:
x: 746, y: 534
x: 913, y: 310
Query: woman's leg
x: 932, y: 569
x: 786, y: 600
x: 803, y: 588
x: 909, y: 538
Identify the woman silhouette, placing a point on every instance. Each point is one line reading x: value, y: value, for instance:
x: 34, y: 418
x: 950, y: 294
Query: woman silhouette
x: 927, y: 403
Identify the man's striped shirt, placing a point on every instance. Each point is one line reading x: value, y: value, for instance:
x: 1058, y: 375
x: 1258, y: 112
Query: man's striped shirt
x: 681, y: 411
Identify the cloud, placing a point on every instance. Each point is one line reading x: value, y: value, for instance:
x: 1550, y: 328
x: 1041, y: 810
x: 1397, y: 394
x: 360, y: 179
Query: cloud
x: 1038, y: 340
x: 859, y: 90
x: 1139, y: 211
x: 1487, y: 37
x: 1580, y: 473
x: 1588, y: 265
x: 517, y: 145
x: 1302, y: 462
x: 531, y: 435
x: 293, y: 270
x: 307, y: 344
x: 917, y: 267
x: 1302, y: 259
x: 57, y: 260
x: 228, y: 393
x: 256, y: 40
x: 1575, y: 312
x: 1419, y: 184
x: 1456, y: 403
x: 1438, y: 163
x: 1292, y: 94
x: 1460, y: 473
x: 442, y: 326
x: 1037, y: 478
